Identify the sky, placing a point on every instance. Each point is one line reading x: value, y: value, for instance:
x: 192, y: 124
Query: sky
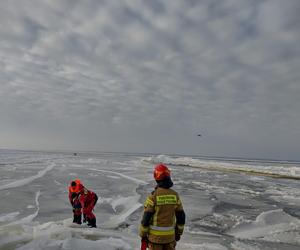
x: 148, y: 76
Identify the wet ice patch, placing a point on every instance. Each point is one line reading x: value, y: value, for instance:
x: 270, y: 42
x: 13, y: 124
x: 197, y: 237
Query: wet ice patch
x: 274, y: 226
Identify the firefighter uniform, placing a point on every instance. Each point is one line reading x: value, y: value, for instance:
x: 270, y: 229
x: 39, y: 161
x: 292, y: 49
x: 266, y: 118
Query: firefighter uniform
x: 164, y: 218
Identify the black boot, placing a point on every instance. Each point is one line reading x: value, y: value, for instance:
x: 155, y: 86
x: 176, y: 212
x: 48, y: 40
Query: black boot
x: 74, y: 218
x: 77, y: 219
x: 92, y: 222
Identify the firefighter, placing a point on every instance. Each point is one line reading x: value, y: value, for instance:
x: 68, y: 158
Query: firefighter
x: 88, y: 200
x: 164, y: 218
x: 74, y: 193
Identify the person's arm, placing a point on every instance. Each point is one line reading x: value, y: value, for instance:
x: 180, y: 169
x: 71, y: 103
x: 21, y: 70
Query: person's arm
x: 71, y: 198
x: 149, y: 210
x: 180, y: 220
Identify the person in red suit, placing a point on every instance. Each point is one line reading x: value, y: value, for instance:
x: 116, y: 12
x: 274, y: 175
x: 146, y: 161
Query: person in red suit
x: 74, y: 193
x: 88, y: 200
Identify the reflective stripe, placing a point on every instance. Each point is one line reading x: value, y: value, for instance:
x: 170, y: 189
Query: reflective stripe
x: 170, y: 199
x: 149, y: 202
x: 180, y: 227
x: 144, y: 229
x: 161, y: 233
x: 161, y: 228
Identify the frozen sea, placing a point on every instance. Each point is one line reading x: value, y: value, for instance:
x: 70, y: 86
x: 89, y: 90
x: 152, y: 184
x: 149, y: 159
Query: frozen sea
x: 234, y: 204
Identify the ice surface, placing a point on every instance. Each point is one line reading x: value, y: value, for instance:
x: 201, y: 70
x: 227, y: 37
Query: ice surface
x: 28, y: 180
x: 283, y: 170
x: 9, y: 217
x: 129, y: 205
x: 30, y: 217
x: 273, y: 225
x: 225, y: 210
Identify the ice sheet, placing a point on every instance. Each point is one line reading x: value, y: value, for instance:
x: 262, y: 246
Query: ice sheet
x: 9, y: 217
x: 28, y: 180
x: 229, y: 210
x: 274, y: 170
x: 274, y: 225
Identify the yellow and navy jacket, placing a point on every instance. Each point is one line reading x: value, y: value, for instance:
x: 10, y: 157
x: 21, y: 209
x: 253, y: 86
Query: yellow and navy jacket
x: 163, y: 216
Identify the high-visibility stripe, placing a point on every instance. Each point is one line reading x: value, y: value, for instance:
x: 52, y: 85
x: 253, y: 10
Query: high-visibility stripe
x: 161, y: 233
x: 170, y: 199
x: 144, y: 229
x: 157, y: 228
x: 180, y: 227
x: 149, y: 202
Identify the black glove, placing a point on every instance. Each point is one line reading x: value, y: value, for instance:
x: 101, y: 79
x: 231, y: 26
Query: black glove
x: 177, y: 237
x: 73, y: 195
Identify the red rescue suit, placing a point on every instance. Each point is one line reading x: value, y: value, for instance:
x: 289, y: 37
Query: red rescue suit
x: 74, y: 193
x: 88, y: 200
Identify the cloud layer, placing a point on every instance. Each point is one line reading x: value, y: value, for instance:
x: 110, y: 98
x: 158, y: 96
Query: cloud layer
x: 139, y: 75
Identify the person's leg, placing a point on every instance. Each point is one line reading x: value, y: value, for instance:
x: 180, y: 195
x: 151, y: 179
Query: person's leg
x: 77, y: 216
x: 77, y: 212
x: 91, y: 218
x: 170, y: 246
x: 153, y: 246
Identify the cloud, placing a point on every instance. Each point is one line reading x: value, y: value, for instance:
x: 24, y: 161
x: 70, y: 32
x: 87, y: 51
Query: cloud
x: 124, y: 75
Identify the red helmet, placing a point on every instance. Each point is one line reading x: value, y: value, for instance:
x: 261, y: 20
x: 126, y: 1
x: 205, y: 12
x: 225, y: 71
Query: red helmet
x: 161, y: 171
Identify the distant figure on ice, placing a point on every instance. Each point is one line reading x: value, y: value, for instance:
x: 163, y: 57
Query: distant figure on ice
x: 158, y: 226
x: 83, y: 202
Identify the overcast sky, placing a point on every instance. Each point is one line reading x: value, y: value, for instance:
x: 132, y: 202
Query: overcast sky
x: 149, y: 75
